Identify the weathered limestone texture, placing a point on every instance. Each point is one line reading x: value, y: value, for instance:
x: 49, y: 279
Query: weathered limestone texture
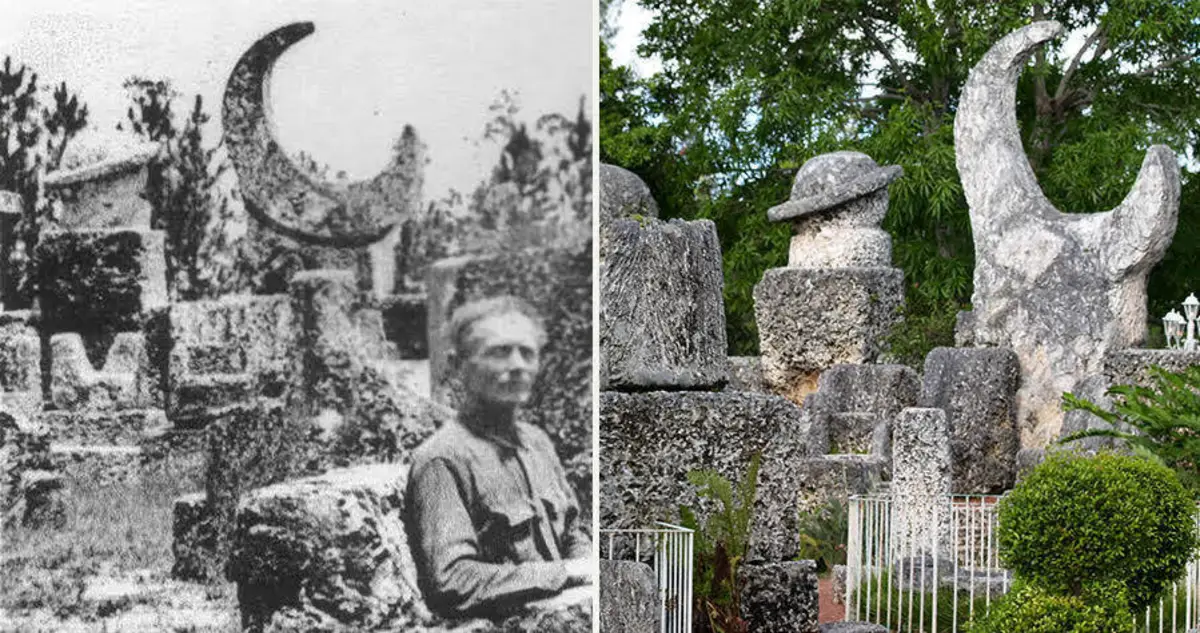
x: 76, y: 386
x: 98, y: 464
x: 920, y: 482
x: 977, y: 389
x: 129, y: 427
x: 1062, y: 290
x: 31, y: 490
x: 820, y: 480
x: 1131, y: 366
x: 628, y: 597
x: 780, y: 597
x: 100, y: 282
x: 622, y: 195
x: 558, y: 284
x: 404, y: 323
x: 252, y: 445
x: 333, y: 542
x: 193, y: 540
x: 662, y: 325
x: 649, y: 442
x: 226, y: 351
x: 329, y: 215
x: 104, y: 194
x: 20, y: 366
x: 745, y: 374
x: 854, y: 405
x: 839, y: 296
x: 852, y: 627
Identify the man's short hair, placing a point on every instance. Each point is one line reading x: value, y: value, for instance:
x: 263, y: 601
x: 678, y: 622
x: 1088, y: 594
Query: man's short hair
x: 456, y: 329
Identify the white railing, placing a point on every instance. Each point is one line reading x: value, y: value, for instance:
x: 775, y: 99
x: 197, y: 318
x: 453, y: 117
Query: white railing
x: 668, y: 551
x: 917, y: 577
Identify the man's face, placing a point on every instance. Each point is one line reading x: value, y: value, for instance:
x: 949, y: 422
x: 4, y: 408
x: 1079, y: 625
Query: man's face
x: 501, y: 359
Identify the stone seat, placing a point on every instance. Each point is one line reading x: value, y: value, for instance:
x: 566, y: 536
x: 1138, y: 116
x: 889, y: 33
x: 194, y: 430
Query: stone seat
x: 76, y: 385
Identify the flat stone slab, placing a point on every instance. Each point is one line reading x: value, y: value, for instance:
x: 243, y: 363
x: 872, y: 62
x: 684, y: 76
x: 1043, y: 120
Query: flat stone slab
x: 115, y: 428
x: 852, y: 627
x: 662, y: 322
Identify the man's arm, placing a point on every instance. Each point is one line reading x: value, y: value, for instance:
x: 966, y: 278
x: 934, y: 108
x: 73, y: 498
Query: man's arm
x: 448, y: 554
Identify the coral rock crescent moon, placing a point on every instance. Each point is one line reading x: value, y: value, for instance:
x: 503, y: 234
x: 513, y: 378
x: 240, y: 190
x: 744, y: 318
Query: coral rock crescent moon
x: 1063, y: 290
x: 276, y: 191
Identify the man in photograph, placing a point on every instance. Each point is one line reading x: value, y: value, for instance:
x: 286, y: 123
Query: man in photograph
x: 493, y: 522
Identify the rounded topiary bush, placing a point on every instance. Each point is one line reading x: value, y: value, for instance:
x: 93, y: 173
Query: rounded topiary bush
x: 1031, y: 609
x: 1077, y: 521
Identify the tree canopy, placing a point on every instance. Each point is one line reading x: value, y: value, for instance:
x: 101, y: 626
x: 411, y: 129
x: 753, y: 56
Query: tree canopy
x: 750, y: 89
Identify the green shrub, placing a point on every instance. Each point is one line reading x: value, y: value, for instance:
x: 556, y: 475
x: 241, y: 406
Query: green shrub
x: 1076, y: 521
x: 1029, y: 608
x: 1166, y: 415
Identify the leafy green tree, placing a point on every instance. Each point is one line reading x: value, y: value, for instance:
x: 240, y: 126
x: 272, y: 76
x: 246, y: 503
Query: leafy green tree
x: 182, y: 188
x: 34, y: 136
x: 751, y: 89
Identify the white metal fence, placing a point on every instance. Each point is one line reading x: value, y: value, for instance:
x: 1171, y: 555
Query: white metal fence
x: 668, y: 551
x: 938, y: 576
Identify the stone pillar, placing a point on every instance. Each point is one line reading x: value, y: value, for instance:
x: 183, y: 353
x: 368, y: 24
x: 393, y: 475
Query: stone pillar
x: 920, y: 483
x: 329, y: 349
x: 838, y: 298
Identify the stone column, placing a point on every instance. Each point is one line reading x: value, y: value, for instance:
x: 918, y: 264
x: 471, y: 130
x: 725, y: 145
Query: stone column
x: 920, y: 483
x: 838, y: 297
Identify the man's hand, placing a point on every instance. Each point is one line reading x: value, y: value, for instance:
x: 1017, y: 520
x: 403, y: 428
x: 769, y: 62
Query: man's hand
x: 579, y: 571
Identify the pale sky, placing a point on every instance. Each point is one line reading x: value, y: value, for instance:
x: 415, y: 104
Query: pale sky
x: 344, y: 93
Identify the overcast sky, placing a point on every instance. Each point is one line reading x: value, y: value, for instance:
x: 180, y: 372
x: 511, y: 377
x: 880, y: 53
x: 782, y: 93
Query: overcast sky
x: 343, y: 94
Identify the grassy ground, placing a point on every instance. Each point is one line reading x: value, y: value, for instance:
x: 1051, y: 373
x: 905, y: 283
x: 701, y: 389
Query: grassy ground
x: 109, y: 568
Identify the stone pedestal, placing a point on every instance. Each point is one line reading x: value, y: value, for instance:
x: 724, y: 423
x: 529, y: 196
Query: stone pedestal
x: 628, y: 598
x: 662, y: 323
x: 977, y: 389
x: 810, y: 319
x: 921, y: 483
x: 780, y: 597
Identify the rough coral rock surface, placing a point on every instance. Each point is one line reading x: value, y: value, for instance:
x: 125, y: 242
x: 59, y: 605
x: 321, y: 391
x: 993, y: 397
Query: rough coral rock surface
x: 812, y: 319
x: 334, y: 542
x: 780, y: 597
x: 662, y: 322
x: 628, y: 597
x: 977, y: 389
x: 649, y: 442
x: 921, y: 471
x: 622, y: 195
x: 1062, y: 290
x: 100, y: 282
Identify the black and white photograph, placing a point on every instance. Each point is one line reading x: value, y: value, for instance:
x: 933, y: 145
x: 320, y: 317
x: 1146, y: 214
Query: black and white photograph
x: 296, y: 316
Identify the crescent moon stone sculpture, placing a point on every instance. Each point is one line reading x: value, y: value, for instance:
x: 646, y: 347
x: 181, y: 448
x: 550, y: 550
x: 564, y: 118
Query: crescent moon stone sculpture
x: 277, y: 193
x: 1062, y: 290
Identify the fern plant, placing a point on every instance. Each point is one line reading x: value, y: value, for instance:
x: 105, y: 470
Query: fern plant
x: 823, y: 535
x: 1166, y: 416
x: 720, y: 546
